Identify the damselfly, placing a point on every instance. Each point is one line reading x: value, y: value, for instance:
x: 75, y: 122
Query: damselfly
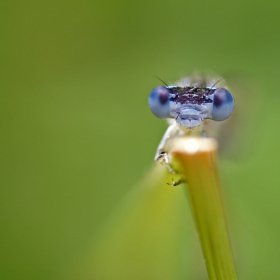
x: 192, y: 107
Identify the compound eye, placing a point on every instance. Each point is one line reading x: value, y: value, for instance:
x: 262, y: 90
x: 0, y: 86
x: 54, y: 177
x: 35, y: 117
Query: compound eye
x: 159, y: 102
x: 223, y: 104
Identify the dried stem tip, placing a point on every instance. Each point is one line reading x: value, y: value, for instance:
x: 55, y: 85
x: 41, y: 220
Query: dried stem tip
x: 197, y: 158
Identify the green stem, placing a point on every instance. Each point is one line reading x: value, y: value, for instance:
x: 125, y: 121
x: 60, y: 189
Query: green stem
x: 197, y: 158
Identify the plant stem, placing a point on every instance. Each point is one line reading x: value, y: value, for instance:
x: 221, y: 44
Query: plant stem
x: 197, y: 158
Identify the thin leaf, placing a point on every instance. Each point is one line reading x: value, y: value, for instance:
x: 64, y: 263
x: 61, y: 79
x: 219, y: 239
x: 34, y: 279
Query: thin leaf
x: 197, y: 157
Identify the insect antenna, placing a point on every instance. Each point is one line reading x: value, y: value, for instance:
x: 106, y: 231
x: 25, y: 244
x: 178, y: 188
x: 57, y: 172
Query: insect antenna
x: 214, y: 84
x: 162, y: 81
x: 217, y: 82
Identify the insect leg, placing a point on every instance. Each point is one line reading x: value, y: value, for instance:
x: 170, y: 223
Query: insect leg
x: 162, y: 151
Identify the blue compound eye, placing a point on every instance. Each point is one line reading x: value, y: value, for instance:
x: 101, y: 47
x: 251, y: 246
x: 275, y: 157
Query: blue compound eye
x: 159, y: 102
x: 223, y: 104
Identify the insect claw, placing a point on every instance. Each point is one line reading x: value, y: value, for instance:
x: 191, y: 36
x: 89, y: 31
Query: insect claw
x: 174, y: 184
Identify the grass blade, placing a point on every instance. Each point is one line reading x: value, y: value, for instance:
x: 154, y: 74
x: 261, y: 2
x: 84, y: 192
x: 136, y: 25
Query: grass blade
x: 197, y: 158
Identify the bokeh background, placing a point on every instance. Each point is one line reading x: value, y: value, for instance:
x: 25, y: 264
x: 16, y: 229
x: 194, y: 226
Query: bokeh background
x: 76, y: 132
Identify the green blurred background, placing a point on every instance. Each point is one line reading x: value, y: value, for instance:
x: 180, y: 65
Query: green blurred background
x: 76, y: 132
